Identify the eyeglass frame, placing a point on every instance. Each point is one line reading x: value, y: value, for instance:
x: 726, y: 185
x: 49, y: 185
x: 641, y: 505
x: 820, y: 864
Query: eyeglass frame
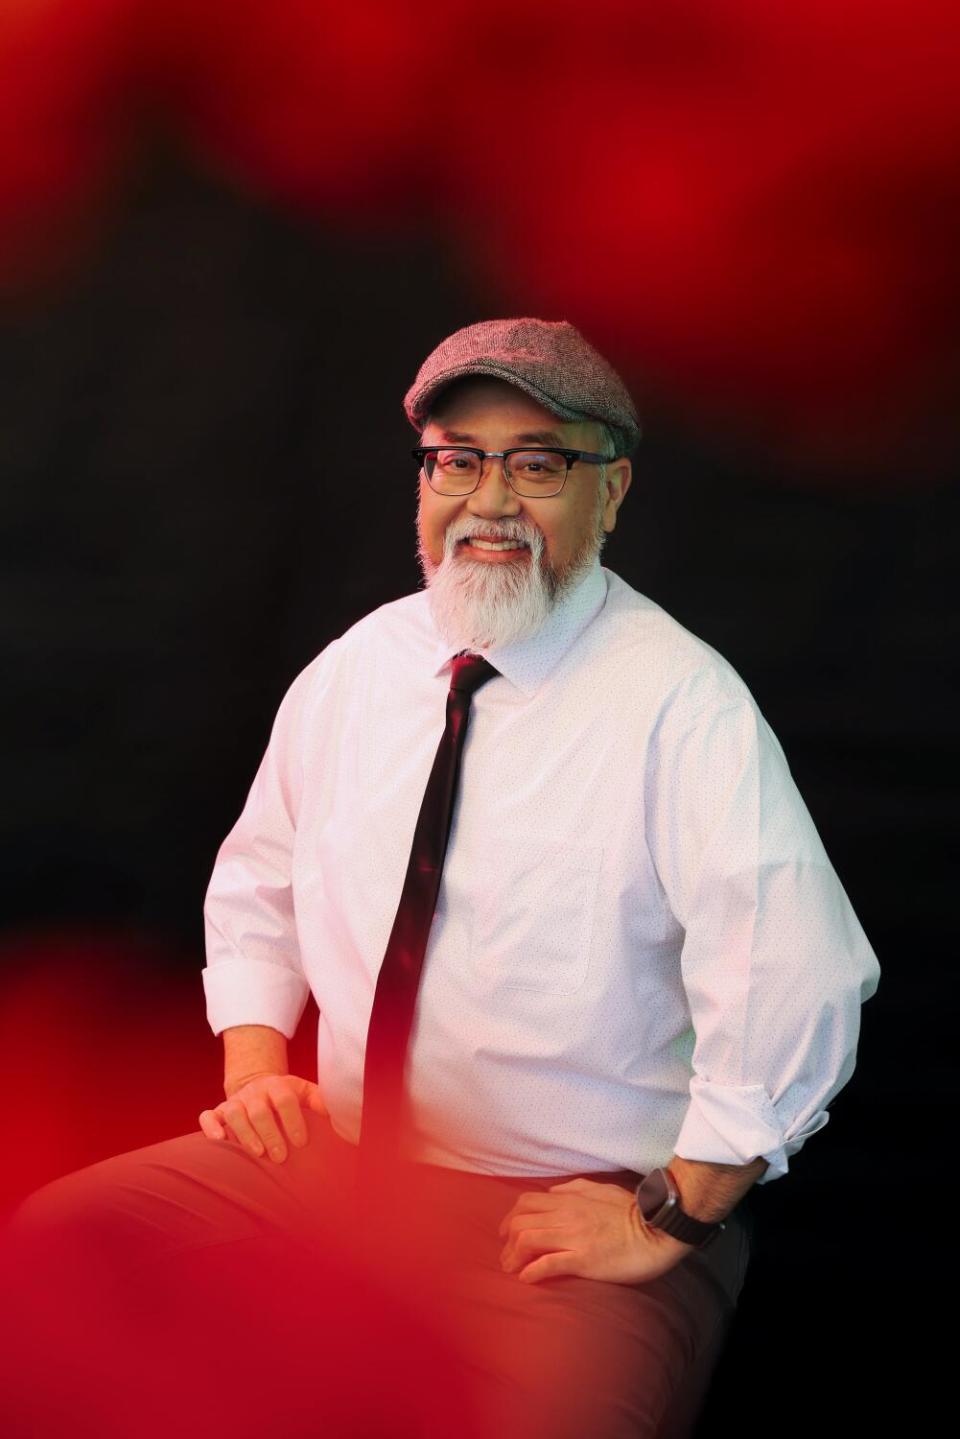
x: 590, y: 457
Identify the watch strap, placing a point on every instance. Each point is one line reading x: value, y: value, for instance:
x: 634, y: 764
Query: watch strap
x: 690, y: 1230
x: 673, y: 1220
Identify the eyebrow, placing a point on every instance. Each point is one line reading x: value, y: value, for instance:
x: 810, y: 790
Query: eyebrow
x: 528, y: 437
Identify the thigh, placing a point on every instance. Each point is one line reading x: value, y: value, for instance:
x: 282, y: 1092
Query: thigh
x: 570, y: 1356
x: 182, y: 1194
x: 189, y: 1288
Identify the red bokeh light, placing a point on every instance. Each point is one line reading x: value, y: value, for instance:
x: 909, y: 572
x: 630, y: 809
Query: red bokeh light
x: 755, y: 206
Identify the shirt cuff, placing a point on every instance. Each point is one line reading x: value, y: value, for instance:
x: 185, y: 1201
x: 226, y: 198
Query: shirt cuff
x: 736, y: 1123
x: 254, y: 991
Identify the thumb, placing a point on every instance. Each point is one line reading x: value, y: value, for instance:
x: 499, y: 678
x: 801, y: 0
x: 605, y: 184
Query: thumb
x: 312, y: 1097
x: 308, y: 1093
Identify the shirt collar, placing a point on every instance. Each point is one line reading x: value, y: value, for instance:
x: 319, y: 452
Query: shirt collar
x: 527, y: 663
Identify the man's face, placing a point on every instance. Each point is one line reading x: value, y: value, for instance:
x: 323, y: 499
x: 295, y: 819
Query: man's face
x: 485, y: 598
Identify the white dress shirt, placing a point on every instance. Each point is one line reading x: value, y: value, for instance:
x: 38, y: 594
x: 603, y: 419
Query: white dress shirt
x: 640, y: 947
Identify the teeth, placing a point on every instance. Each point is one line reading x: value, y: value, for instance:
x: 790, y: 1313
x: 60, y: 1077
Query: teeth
x: 497, y: 545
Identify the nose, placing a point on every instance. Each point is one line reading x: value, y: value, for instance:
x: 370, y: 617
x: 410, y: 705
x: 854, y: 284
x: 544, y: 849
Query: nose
x: 493, y: 496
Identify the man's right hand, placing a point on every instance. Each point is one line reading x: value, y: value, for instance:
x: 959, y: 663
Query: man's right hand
x: 263, y: 1112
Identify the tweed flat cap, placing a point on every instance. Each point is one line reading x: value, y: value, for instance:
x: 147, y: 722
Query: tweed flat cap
x: 549, y: 359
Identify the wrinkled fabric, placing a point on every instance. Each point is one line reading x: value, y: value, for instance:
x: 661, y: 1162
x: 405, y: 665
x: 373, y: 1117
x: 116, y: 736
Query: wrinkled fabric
x: 188, y: 1284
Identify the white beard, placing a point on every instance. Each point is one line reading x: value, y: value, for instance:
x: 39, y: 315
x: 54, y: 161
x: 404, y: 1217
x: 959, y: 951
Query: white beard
x: 478, y: 604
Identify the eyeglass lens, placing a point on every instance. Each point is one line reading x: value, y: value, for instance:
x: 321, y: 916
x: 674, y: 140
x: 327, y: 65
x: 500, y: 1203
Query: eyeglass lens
x: 533, y: 472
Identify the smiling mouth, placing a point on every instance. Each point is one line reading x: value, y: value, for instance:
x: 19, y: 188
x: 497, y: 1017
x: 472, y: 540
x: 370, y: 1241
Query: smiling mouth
x: 479, y: 543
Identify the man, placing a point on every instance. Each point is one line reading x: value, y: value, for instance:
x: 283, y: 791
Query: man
x: 639, y: 979
x: 640, y: 955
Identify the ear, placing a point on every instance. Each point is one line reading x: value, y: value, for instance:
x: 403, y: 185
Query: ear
x: 619, y: 476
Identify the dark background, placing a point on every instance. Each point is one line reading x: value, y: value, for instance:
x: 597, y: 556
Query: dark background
x: 204, y: 479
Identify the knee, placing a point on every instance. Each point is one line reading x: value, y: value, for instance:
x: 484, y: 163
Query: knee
x: 47, y: 1243
x: 57, y: 1215
x: 77, y: 1205
x: 43, y: 1209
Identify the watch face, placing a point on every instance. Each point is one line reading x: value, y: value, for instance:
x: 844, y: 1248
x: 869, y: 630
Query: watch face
x: 653, y: 1192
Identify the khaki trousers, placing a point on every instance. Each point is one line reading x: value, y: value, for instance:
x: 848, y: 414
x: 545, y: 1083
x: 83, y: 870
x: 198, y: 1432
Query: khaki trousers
x: 188, y: 1287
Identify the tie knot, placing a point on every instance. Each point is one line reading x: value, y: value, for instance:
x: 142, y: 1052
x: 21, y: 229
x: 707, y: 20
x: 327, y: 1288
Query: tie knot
x: 469, y: 672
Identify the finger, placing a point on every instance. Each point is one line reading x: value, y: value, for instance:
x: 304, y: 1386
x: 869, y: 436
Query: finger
x: 524, y: 1205
x: 235, y: 1115
x: 534, y: 1202
x: 550, y: 1266
x: 263, y: 1117
x: 210, y: 1125
x: 529, y: 1242
x: 529, y: 1223
x: 504, y: 1225
x: 315, y: 1101
x: 231, y: 1133
x: 290, y: 1113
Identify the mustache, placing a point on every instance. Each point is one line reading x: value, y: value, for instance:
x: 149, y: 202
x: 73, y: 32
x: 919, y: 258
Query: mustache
x: 465, y: 529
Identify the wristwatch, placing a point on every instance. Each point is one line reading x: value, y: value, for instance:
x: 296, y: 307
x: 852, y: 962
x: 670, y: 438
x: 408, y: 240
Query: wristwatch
x: 658, y: 1200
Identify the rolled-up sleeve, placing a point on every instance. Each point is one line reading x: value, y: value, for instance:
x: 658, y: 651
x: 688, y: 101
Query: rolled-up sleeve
x: 775, y: 964
x: 253, y: 973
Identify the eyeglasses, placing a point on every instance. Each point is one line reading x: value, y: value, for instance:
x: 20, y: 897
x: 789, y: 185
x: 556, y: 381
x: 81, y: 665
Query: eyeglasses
x: 533, y: 474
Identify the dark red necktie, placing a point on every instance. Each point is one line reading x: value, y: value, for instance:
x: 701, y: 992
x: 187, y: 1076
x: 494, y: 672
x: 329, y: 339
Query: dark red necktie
x: 394, y: 1000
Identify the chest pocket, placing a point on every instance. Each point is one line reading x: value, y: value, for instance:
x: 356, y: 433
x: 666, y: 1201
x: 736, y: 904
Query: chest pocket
x: 533, y: 914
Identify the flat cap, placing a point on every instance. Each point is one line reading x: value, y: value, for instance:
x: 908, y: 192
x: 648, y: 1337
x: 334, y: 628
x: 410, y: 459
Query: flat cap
x: 549, y: 359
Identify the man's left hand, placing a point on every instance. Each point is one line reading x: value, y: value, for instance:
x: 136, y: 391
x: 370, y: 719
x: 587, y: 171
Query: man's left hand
x: 587, y: 1229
